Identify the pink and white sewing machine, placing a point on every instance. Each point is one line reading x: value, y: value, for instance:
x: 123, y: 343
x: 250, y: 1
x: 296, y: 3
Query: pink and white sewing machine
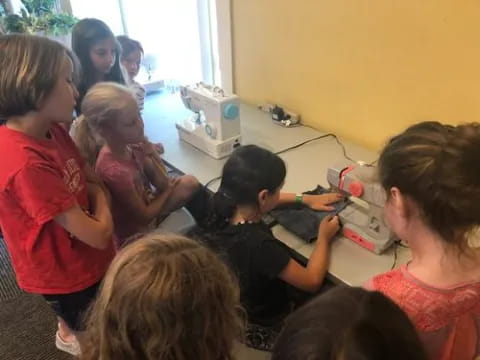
x: 363, y: 220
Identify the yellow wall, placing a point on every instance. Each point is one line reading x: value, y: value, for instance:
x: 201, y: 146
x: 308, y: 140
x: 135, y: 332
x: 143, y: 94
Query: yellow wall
x: 364, y: 69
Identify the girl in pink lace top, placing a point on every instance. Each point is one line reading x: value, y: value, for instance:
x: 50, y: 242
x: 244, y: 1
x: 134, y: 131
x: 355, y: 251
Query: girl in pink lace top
x: 432, y: 178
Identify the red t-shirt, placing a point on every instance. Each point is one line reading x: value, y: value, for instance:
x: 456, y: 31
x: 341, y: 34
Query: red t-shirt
x: 40, y: 179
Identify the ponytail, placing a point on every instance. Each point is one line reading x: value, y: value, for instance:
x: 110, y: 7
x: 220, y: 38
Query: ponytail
x: 88, y: 144
x: 222, y: 209
x: 101, y: 106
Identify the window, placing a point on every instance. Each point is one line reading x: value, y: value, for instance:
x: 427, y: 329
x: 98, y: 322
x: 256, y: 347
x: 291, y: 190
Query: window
x: 179, y: 37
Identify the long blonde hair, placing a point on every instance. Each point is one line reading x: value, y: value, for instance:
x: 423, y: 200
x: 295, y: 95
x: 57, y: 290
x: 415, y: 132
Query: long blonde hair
x: 102, y: 104
x: 165, y: 297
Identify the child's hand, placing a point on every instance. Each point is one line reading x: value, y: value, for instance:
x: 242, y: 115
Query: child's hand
x: 328, y: 228
x: 322, y: 202
x: 151, y: 148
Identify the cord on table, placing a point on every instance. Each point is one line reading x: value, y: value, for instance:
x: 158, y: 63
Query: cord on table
x: 342, y: 146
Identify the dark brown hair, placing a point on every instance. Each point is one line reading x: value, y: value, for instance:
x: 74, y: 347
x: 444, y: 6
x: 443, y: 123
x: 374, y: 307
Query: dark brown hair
x: 349, y: 324
x: 436, y: 165
x: 85, y: 34
x: 129, y: 45
x: 30, y: 66
x: 164, y: 297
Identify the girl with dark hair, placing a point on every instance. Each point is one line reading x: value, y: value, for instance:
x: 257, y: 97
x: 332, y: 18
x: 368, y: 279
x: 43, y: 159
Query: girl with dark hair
x: 431, y: 176
x: 99, y: 53
x: 131, y: 59
x: 251, y: 182
x: 349, y: 324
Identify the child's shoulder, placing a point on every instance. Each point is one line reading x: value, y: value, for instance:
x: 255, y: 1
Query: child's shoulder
x: 430, y: 308
x: 21, y: 152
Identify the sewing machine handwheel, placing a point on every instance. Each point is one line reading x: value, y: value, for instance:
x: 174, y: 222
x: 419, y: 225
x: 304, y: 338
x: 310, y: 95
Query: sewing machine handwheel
x: 231, y: 111
x: 355, y: 188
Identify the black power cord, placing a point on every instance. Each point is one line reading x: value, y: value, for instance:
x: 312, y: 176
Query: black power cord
x: 342, y: 146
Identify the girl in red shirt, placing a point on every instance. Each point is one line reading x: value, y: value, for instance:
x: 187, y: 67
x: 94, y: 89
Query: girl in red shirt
x: 54, y: 213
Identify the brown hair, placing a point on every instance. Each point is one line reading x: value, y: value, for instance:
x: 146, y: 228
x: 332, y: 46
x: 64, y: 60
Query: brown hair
x: 30, y: 66
x: 129, y: 45
x: 349, y: 324
x: 436, y: 165
x: 164, y: 298
x: 102, y: 104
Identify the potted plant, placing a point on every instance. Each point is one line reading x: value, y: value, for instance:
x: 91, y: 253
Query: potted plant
x: 41, y: 18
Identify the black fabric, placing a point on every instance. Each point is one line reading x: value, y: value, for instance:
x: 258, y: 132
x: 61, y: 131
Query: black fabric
x: 303, y: 221
x: 257, y: 258
x: 72, y: 307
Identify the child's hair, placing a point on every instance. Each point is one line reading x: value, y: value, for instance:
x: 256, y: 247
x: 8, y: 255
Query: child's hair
x: 249, y: 170
x: 349, y: 324
x: 436, y: 165
x: 164, y: 297
x: 30, y: 66
x: 86, y: 33
x: 102, y: 104
x: 129, y: 45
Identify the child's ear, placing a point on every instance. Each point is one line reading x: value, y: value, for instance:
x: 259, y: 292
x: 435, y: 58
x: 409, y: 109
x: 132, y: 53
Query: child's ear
x: 262, y: 197
x: 400, y: 202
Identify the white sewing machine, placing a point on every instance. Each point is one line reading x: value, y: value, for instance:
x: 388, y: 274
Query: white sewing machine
x: 214, y: 128
x: 362, y: 221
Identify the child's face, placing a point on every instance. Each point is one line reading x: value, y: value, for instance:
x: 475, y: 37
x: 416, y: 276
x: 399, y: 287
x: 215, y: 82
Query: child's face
x: 103, y: 55
x: 59, y: 104
x: 132, y: 63
x: 129, y: 126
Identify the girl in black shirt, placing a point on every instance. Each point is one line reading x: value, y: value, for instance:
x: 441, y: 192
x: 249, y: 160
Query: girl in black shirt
x: 251, y: 186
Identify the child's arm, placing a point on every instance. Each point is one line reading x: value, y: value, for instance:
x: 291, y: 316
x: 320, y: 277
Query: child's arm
x: 95, y: 231
x: 41, y: 190
x: 315, y: 202
x: 93, y: 178
x: 154, y: 173
x: 311, y: 278
x: 144, y: 213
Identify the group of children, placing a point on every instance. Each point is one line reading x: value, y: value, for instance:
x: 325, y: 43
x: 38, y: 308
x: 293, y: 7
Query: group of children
x: 71, y: 216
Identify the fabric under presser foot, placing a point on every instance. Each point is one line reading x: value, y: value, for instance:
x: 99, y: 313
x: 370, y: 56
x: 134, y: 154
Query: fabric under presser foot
x: 303, y: 221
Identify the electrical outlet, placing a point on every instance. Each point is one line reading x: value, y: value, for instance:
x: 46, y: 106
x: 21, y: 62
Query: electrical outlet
x: 266, y: 107
x: 294, y: 117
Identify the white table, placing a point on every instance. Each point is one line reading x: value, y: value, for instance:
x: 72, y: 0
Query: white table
x: 307, y: 165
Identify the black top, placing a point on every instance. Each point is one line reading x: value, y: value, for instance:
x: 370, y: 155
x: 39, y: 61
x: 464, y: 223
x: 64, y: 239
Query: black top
x: 257, y: 258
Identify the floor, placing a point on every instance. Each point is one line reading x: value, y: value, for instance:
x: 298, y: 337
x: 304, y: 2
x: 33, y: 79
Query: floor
x: 27, y: 325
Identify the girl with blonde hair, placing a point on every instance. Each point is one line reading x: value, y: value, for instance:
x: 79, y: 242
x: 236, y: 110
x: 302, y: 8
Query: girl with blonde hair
x: 164, y: 298
x: 108, y: 134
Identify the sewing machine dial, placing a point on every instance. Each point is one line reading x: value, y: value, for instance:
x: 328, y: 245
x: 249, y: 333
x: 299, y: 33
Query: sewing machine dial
x: 211, y: 131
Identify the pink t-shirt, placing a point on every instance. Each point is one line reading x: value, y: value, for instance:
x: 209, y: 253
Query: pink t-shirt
x: 122, y: 175
x: 448, y: 320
